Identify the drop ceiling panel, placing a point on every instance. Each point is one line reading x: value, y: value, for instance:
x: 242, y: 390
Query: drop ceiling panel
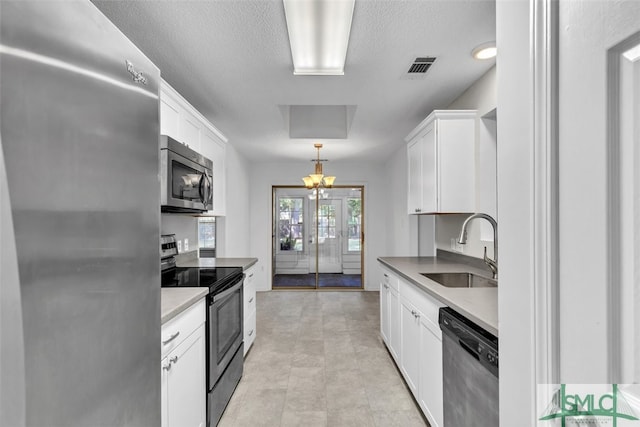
x: 318, y: 121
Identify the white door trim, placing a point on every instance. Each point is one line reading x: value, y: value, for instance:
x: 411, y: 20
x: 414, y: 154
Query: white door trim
x: 615, y: 221
x: 545, y: 191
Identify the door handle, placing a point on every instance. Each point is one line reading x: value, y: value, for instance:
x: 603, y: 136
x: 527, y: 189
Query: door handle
x: 171, y: 338
x: 205, y: 188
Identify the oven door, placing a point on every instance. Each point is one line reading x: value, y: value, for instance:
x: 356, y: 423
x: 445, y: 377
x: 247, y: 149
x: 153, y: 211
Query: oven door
x: 186, y: 185
x: 225, y: 318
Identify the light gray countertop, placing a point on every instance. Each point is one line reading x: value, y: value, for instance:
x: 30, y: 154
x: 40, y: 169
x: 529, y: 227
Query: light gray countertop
x: 218, y: 262
x: 480, y: 305
x: 174, y: 301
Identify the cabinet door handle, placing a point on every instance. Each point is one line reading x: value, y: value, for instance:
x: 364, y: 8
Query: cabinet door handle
x: 386, y: 286
x: 166, y: 367
x: 251, y: 275
x: 251, y: 333
x: 174, y: 359
x: 171, y: 338
x: 251, y: 300
x: 386, y: 275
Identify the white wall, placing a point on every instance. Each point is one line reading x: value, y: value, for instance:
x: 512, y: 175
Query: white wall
x: 401, y: 228
x: 232, y: 230
x: 480, y: 96
x: 264, y: 175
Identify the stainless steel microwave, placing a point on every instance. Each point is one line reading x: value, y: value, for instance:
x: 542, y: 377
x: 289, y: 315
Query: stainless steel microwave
x: 186, y: 178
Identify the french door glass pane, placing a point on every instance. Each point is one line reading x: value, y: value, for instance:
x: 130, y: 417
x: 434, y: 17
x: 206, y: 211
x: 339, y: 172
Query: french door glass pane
x: 290, y: 227
x: 354, y: 212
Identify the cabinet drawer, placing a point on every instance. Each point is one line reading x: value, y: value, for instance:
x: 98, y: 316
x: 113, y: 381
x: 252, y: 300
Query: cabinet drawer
x: 249, y: 331
x: 180, y: 327
x: 427, y: 305
x: 249, y: 294
x: 390, y: 279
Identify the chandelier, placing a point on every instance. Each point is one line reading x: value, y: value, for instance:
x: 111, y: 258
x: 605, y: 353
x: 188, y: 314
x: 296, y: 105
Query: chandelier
x: 317, y: 179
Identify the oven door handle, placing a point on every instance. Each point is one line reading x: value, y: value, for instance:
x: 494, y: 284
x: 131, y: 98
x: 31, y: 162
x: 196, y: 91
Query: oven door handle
x: 229, y: 291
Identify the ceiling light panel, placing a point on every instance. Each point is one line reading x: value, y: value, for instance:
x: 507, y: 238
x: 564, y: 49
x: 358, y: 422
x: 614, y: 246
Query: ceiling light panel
x: 319, y: 35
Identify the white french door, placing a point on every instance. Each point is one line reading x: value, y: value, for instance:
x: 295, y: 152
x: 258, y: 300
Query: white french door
x: 329, y: 224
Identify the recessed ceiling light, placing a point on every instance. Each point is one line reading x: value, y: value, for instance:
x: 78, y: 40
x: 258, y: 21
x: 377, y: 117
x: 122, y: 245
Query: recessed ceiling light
x: 485, y: 51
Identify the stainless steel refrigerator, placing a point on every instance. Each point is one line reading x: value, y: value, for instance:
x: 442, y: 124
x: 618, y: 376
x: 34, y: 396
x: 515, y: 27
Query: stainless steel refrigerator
x: 79, y: 220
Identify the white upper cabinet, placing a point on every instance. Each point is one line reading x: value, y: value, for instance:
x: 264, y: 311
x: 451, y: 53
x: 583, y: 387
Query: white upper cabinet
x: 190, y: 131
x: 441, y: 163
x: 182, y: 122
x: 169, y: 115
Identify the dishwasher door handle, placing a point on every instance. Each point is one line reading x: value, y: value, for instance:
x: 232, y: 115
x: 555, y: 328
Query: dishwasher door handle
x: 469, y: 350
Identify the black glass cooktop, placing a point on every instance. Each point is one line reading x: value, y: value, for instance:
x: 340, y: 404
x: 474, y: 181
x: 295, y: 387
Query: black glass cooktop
x: 216, y: 279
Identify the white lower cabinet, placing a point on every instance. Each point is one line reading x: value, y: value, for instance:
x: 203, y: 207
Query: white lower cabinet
x: 410, y: 344
x: 390, y: 313
x: 183, y: 371
x: 409, y: 328
x: 249, y: 293
x: 430, y: 396
x: 394, y: 324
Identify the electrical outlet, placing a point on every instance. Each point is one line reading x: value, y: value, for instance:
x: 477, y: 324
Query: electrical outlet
x: 179, y: 246
x: 186, y: 245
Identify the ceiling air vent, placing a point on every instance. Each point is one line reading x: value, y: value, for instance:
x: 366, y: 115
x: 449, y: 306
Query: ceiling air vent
x: 419, y: 67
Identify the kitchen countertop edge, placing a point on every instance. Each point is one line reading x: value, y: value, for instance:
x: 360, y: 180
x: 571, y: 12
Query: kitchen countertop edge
x: 480, y: 305
x: 174, y: 301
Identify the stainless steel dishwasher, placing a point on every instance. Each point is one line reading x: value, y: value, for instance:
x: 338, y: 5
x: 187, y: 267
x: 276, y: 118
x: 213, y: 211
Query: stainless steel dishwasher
x: 470, y: 372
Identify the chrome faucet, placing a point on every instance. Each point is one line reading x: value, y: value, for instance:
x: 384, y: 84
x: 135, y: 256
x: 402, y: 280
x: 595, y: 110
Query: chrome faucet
x: 492, y: 263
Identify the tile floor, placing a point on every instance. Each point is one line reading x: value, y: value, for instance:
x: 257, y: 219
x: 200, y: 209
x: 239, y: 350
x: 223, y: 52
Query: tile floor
x: 318, y: 361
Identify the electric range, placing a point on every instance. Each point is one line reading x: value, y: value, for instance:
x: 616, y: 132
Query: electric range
x: 217, y: 279
x: 224, y: 322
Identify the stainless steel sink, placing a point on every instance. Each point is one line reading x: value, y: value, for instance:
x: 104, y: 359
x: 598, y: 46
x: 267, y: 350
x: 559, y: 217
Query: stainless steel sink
x: 461, y: 280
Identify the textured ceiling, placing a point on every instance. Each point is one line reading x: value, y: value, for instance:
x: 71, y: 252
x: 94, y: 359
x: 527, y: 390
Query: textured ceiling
x: 231, y: 60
